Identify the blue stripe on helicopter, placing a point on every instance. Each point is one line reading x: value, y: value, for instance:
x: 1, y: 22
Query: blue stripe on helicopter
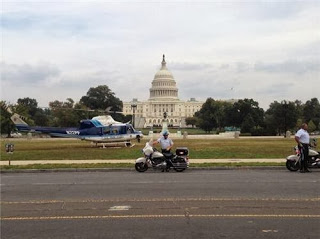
x: 86, y: 136
x: 97, y: 123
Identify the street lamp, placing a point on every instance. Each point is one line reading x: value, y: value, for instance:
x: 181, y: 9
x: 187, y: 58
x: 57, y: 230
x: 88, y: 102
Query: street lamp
x: 133, y: 107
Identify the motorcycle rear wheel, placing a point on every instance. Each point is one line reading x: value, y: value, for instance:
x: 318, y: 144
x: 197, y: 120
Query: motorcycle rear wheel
x: 141, y: 167
x: 292, y: 165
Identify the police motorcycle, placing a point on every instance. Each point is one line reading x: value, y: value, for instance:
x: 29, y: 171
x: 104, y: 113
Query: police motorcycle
x: 162, y: 161
x: 294, y: 161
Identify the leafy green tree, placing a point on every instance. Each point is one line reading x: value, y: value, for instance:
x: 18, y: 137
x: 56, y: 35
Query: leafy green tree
x: 42, y: 117
x: 191, y: 121
x: 220, y: 109
x: 206, y: 117
x: 311, y: 111
x: 299, y: 108
x: 63, y: 113
x: 29, y: 108
x: 6, y: 124
x: 247, y: 124
x: 212, y: 115
x: 270, y: 123
x: 311, y: 126
x: 101, y: 98
x: 281, y: 116
x: 246, y: 114
x: 298, y: 124
x: 83, y: 112
x: 28, y: 104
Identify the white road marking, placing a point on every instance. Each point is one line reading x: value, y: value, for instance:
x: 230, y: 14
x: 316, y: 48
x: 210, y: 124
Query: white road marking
x: 86, y: 217
x: 119, y: 208
x: 162, y: 200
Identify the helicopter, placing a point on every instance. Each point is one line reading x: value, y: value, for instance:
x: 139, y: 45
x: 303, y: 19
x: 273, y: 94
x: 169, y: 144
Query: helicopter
x: 100, y: 129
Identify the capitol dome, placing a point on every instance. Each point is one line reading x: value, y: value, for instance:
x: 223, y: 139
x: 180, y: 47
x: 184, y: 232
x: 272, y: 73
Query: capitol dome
x: 163, y: 85
x: 163, y: 101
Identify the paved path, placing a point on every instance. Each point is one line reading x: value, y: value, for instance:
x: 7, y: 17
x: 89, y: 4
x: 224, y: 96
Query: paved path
x: 95, y: 161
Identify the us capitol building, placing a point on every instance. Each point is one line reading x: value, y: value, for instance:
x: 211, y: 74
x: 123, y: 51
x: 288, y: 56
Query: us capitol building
x: 163, y: 98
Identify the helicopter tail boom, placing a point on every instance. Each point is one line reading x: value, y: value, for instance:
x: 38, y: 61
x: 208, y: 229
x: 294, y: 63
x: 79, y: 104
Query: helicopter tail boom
x: 19, y: 122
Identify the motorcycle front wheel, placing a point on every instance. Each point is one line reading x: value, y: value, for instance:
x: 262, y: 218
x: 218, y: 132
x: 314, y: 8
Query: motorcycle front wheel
x: 141, y: 167
x: 292, y: 165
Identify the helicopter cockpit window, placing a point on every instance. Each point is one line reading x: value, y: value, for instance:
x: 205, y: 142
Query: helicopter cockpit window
x: 129, y: 130
x: 106, y: 130
x: 123, y: 130
x: 85, y: 124
x: 118, y: 130
x: 114, y: 130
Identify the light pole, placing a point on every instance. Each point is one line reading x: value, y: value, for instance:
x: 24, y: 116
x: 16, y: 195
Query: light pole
x: 133, y: 107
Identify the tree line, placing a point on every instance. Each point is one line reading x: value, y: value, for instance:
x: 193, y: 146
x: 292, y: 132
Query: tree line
x: 244, y: 114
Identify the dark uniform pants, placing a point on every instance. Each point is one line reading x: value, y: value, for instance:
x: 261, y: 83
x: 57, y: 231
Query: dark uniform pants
x: 304, y: 154
x: 164, y: 151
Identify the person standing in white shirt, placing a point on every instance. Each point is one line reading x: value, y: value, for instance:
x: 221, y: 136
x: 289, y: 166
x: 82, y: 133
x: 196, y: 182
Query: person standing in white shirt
x: 165, y: 142
x: 303, y: 139
x: 166, y: 145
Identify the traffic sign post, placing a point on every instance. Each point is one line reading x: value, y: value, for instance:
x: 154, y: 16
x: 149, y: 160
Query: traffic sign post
x: 9, y: 150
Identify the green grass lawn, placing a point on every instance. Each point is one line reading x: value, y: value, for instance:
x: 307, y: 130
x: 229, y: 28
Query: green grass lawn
x: 60, y: 149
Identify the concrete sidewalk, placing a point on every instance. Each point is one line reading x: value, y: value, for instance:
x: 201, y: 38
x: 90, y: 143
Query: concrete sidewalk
x: 96, y: 161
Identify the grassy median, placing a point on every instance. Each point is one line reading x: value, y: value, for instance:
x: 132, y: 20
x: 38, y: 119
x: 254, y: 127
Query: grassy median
x: 70, y: 149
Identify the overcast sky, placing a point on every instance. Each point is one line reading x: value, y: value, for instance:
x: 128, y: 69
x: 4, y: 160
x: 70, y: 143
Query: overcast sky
x: 265, y: 50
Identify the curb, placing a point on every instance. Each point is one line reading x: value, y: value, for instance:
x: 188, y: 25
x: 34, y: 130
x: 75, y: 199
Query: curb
x: 74, y: 170
x: 132, y: 161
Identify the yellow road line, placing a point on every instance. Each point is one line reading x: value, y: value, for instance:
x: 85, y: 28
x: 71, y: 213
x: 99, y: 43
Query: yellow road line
x: 161, y: 200
x: 160, y: 216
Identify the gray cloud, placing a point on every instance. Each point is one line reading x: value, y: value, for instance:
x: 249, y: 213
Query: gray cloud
x: 190, y: 66
x: 311, y: 50
x: 290, y: 66
x: 277, y: 89
x: 28, y: 74
x: 265, y: 10
x: 55, y: 24
x: 17, y: 21
x: 224, y: 67
x: 242, y: 67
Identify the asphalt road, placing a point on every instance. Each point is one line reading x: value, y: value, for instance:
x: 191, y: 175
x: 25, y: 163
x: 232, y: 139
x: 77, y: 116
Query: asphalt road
x: 192, y: 204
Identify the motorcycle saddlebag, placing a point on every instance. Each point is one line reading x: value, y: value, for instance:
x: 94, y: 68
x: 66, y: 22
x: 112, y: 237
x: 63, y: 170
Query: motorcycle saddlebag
x: 179, y: 162
x: 182, y: 151
x: 178, y: 159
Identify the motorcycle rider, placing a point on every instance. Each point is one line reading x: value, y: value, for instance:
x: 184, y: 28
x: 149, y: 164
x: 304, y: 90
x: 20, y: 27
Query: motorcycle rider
x: 302, y: 138
x: 166, y: 145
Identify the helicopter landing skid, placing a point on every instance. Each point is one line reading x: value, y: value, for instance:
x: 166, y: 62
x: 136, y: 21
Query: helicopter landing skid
x: 115, y: 145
